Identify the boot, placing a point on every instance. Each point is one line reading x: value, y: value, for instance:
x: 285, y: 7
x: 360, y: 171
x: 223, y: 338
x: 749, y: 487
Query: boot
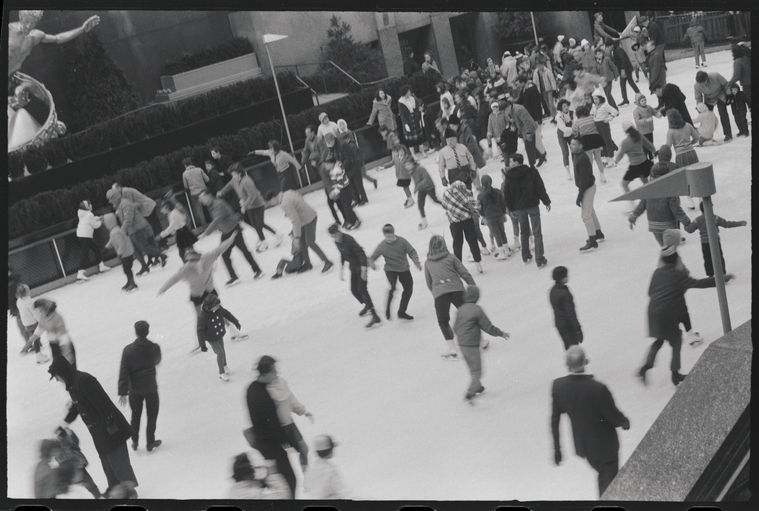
x: 423, y: 224
x: 261, y: 246
x: 409, y: 202
x: 451, y: 353
x: 102, y: 268
x: 599, y: 236
x: 364, y: 311
x: 80, y: 275
x: 152, y: 445
x: 677, y: 378
x: 374, y: 321
x: 145, y: 269
x: 589, y: 245
x: 42, y: 358
x: 223, y: 377
x: 404, y: 315
x: 500, y: 253
x: 163, y: 259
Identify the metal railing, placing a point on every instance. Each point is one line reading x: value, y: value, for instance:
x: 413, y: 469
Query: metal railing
x: 318, y: 74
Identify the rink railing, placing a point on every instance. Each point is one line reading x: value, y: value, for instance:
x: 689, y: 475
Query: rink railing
x: 51, y: 258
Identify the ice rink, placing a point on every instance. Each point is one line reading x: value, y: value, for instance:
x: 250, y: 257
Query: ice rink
x: 393, y: 404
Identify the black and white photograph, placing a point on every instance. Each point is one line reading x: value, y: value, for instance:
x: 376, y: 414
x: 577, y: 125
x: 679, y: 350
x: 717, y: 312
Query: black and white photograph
x: 383, y: 255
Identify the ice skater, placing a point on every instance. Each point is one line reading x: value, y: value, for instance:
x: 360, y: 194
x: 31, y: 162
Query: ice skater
x: 424, y: 185
x: 211, y: 330
x: 700, y: 223
x: 563, y: 305
x: 292, y: 265
x: 666, y: 305
x: 287, y: 404
x: 52, y: 325
x: 443, y: 273
x: 469, y: 324
x: 178, y: 226
x: 352, y: 253
x: 493, y: 211
x: 124, y: 248
x: 29, y: 320
x: 85, y: 230
x: 396, y: 251
x: 586, y: 192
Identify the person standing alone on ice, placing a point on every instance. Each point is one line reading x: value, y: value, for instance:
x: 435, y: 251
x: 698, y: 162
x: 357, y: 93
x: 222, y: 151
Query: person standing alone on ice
x: 594, y: 417
x: 443, y: 273
x: 563, y: 305
x: 396, y: 251
x: 352, y: 253
x: 470, y: 321
x: 666, y: 305
x: 137, y: 380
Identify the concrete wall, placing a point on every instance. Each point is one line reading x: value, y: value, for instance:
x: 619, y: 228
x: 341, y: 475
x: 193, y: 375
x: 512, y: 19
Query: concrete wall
x: 570, y: 23
x: 138, y: 41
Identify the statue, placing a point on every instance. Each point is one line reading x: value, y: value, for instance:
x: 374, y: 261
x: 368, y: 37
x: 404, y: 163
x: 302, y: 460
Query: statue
x: 23, y: 37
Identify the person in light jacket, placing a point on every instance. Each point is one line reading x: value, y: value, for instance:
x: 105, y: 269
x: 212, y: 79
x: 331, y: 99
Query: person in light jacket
x: 323, y: 480
x: 546, y: 82
x: 697, y: 36
x: 51, y: 323
x: 85, y: 230
x: 122, y: 245
x: 284, y: 163
x: 382, y: 111
x: 145, y: 205
x: 178, y: 226
x: 470, y: 322
x: 443, y: 273
x: 247, y: 486
x: 712, y: 89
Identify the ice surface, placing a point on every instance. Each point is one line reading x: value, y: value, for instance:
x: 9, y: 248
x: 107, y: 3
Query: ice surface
x: 392, y: 403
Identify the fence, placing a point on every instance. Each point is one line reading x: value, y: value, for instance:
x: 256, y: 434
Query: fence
x: 718, y: 26
x: 54, y: 254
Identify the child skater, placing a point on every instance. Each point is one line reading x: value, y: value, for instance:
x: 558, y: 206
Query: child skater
x: 700, y: 223
x: 706, y: 122
x: 424, y: 185
x: 292, y: 265
x: 120, y: 242
x: 211, y: 330
x: 287, y: 404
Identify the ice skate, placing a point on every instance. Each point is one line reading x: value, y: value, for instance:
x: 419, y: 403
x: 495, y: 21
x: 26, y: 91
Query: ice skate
x: 480, y: 390
x: 515, y: 245
x: 409, y: 203
x: 327, y: 267
x: 80, y: 275
x: 163, y: 259
x: 694, y: 338
x: 423, y: 224
x: 642, y: 375
x: 485, y: 251
x: 541, y: 263
x: 232, y: 281
x: 404, y: 315
x: 42, y: 358
x: 226, y: 370
x: 145, y: 269
x: 261, y: 246
x: 374, y: 321
x: 152, y: 445
x: 130, y: 287
x: 223, y: 377
x: 590, y: 245
x: 677, y: 378
x: 470, y: 258
x: 258, y: 275
x: 600, y: 236
x: 239, y: 336
x: 364, y: 311
x: 102, y: 267
x: 501, y: 254
x: 450, y: 355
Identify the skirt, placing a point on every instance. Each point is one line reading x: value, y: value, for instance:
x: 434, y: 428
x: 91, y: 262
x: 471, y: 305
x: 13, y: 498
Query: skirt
x: 686, y: 158
x: 592, y: 141
x: 640, y: 170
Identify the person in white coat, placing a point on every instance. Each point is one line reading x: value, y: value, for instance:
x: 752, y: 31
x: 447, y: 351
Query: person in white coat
x: 85, y: 231
x: 323, y: 480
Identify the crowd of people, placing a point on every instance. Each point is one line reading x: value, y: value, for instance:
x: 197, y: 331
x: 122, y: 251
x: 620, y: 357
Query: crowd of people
x: 483, y: 113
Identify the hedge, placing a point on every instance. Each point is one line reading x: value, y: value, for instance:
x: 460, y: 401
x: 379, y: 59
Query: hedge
x: 49, y: 208
x: 147, y: 123
x: 230, y: 49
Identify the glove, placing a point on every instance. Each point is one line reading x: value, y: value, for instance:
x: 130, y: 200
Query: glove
x: 579, y: 202
x: 557, y: 457
x: 445, y: 182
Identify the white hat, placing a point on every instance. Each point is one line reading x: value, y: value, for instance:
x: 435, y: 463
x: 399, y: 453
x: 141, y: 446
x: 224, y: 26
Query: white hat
x: 584, y: 42
x: 598, y: 92
x: 324, y: 442
x: 322, y: 116
x: 494, y: 103
x: 636, y: 29
x: 572, y: 40
x: 626, y: 125
x: 507, y: 54
x: 560, y: 37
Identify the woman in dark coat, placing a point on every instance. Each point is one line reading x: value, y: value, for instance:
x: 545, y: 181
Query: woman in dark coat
x: 409, y: 108
x: 673, y: 97
x: 108, y: 427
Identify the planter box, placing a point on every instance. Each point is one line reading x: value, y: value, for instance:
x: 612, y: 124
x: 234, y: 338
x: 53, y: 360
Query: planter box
x: 203, y: 79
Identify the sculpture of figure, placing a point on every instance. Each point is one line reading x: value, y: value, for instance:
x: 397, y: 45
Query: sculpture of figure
x: 23, y: 37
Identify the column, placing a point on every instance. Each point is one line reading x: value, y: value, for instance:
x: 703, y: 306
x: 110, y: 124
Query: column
x: 446, y: 57
x: 391, y: 50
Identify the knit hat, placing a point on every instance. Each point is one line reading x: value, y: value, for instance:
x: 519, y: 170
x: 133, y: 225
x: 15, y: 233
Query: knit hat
x: 112, y: 196
x: 599, y: 93
x: 572, y: 41
x: 626, y: 125
x: 471, y: 294
x: 142, y: 328
x: 670, y: 241
x: 324, y: 443
x: 211, y: 301
x: 388, y: 229
x: 584, y: 42
x: 322, y: 116
x: 636, y: 29
x: 560, y: 38
x: 265, y: 364
x: 495, y: 103
x: 559, y: 273
x: 638, y: 97
x: 701, y: 108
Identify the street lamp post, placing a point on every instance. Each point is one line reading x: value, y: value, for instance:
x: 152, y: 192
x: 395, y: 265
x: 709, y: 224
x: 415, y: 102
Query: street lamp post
x: 534, y: 30
x: 270, y: 38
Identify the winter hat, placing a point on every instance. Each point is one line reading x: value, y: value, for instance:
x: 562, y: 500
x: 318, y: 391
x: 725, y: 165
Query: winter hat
x: 265, y: 364
x: 142, y: 328
x: 665, y: 153
x: 701, y: 108
x: 333, y: 229
x: 598, y: 93
x: 572, y: 41
x: 471, y: 294
x: 560, y: 38
x: 584, y: 42
x: 388, y: 229
x: 486, y: 181
x: 113, y: 197
x: 670, y: 241
x: 638, y: 97
x: 329, y: 139
x: 342, y: 125
x: 211, y: 301
x: 506, y: 54
x: 559, y: 273
x: 322, y: 116
x: 636, y: 29
x: 324, y: 443
x: 626, y: 125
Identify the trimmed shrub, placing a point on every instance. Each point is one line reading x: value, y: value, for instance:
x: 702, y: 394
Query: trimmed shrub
x: 227, y: 50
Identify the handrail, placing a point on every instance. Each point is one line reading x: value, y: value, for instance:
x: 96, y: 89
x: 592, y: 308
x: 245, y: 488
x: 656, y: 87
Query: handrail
x: 346, y: 73
x: 313, y: 92
x: 333, y: 64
